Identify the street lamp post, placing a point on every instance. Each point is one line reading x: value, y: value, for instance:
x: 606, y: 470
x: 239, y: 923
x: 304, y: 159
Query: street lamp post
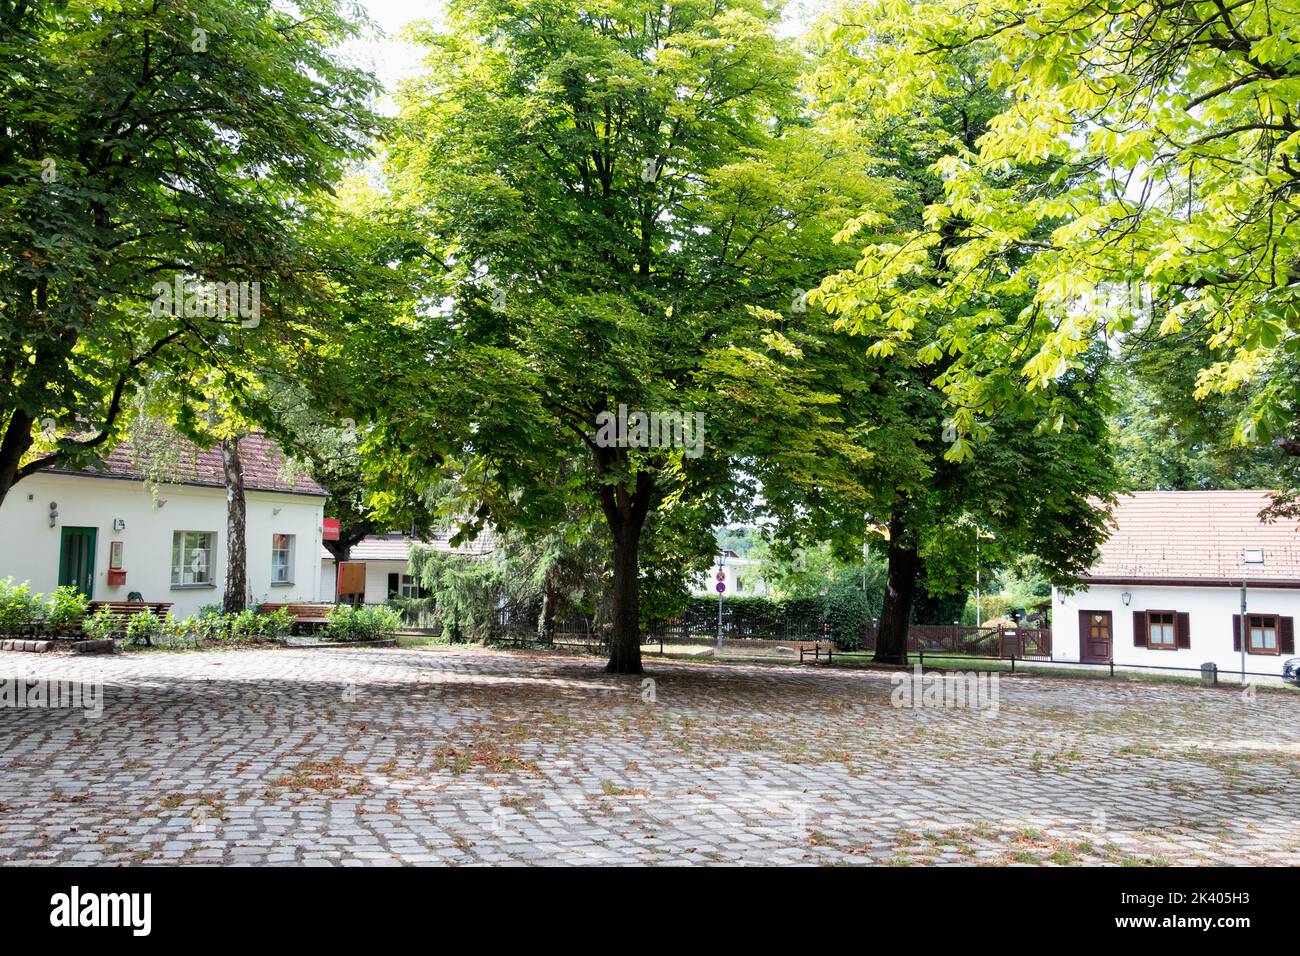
x: 722, y: 566
x: 1250, y: 557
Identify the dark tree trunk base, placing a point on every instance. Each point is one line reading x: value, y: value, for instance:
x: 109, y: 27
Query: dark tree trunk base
x: 900, y: 588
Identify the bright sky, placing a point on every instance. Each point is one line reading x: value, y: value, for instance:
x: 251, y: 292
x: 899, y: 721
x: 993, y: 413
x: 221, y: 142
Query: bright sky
x: 392, y: 59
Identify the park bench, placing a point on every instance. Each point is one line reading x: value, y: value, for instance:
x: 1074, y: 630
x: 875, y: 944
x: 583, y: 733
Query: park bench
x: 816, y: 650
x: 311, y: 616
x: 123, y: 611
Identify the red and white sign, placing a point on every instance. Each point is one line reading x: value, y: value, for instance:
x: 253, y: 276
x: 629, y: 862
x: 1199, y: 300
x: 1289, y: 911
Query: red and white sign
x: 330, y: 529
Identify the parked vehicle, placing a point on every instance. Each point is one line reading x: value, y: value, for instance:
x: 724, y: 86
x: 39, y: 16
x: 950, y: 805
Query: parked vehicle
x: 1291, y: 671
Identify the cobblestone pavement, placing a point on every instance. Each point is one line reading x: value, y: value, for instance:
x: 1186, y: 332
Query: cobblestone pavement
x: 390, y: 756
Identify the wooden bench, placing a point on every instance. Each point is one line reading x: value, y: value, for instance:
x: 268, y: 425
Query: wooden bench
x: 123, y: 611
x: 309, y: 615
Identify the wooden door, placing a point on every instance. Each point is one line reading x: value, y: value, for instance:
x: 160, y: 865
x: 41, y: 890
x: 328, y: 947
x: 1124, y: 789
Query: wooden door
x: 1095, y: 636
x: 77, y: 559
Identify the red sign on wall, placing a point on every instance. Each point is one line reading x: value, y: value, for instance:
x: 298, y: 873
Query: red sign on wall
x: 330, y: 529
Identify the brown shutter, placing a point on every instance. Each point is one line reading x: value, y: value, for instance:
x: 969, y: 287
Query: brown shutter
x: 1286, y: 635
x: 1236, y: 632
x: 1139, y: 628
x: 1183, y: 629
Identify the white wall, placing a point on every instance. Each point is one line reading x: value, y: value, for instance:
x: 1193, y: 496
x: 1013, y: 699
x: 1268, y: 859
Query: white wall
x: 1210, y: 611
x: 744, y: 569
x: 376, y: 578
x: 29, y: 547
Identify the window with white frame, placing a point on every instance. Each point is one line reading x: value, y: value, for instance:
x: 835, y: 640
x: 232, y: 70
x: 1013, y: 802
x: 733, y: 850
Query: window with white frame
x: 192, y: 557
x: 408, y: 586
x: 282, y: 558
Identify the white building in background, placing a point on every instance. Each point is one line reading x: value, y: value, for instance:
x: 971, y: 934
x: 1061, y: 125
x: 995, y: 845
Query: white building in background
x: 741, y: 576
x: 1166, y: 590
x: 106, y: 531
x: 378, y: 566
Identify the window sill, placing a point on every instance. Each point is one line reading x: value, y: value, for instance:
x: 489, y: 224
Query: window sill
x: 194, y: 587
x: 281, y: 584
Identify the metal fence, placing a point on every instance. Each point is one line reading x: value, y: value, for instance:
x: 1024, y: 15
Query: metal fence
x: 999, y: 641
x: 1210, y: 673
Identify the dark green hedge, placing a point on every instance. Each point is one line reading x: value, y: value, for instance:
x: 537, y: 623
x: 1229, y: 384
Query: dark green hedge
x: 845, y: 610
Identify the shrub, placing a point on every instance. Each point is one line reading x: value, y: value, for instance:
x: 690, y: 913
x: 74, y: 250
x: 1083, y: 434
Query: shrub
x: 210, y: 626
x: 20, y: 607
x: 103, y: 623
x: 65, y: 609
x: 245, y: 627
x: 143, y: 626
x: 347, y: 623
x: 278, y: 624
x: 179, y: 632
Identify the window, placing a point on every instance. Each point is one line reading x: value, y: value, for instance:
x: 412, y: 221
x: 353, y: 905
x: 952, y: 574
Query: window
x: 281, y: 559
x: 1160, y: 630
x: 1262, y: 633
x: 404, y: 586
x: 192, y: 558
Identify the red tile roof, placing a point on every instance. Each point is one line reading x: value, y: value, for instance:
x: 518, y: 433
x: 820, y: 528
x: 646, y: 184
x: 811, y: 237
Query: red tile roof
x: 1197, y: 535
x: 263, y: 463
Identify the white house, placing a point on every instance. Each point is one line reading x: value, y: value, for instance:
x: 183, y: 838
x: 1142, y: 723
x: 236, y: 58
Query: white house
x: 111, y: 533
x: 742, y: 577
x: 1166, y: 590
x: 378, y: 566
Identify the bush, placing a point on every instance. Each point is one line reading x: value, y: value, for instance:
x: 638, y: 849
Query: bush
x: 350, y: 623
x: 245, y: 627
x: 102, y: 624
x: 278, y: 624
x: 143, y: 626
x: 65, y: 609
x: 20, y: 607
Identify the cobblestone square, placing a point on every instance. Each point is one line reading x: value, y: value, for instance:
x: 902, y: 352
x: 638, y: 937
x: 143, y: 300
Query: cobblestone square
x: 359, y: 757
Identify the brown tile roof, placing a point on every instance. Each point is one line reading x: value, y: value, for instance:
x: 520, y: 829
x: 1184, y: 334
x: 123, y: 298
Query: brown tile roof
x: 263, y: 463
x: 1197, y: 535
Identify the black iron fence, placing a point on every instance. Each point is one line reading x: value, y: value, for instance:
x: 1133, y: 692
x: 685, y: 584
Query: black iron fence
x: 997, y: 641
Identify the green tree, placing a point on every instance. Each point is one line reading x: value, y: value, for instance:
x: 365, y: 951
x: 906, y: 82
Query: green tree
x: 1166, y: 438
x: 1168, y: 132
x: 153, y: 142
x: 628, y: 202
x: 1041, y: 458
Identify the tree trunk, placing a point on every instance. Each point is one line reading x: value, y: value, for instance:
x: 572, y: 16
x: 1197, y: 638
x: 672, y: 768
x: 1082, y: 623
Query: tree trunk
x: 626, y: 505
x: 900, y: 587
x: 550, y: 598
x: 17, y: 439
x: 236, y: 596
x: 625, y: 631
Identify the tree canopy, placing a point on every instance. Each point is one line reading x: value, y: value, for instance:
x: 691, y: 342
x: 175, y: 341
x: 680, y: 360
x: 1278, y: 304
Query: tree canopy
x: 155, y: 147
x: 1163, y: 137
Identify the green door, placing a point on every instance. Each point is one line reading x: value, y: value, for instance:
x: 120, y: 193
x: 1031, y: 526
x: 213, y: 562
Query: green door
x: 77, y: 559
